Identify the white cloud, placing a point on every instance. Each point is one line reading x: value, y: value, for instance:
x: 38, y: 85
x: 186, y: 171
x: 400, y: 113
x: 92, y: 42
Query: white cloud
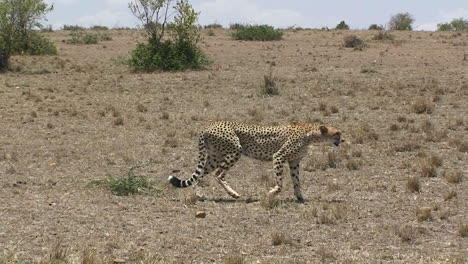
x: 226, y: 12
x: 119, y: 3
x: 63, y: 2
x: 443, y: 16
x: 107, y: 18
x: 449, y: 15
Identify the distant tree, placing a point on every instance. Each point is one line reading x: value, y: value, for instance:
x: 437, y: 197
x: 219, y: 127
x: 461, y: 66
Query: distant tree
x: 342, y: 25
x: 401, y: 21
x: 18, y: 18
x: 459, y: 24
x: 444, y: 27
x: 376, y: 27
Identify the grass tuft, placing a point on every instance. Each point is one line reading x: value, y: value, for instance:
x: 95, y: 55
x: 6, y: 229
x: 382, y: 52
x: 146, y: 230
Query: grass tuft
x: 454, y: 176
x: 413, y: 184
x: 130, y: 184
x: 269, y: 86
x: 422, y: 106
x: 463, y: 230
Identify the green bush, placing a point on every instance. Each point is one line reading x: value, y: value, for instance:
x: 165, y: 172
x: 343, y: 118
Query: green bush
x: 214, y: 25
x: 72, y: 27
x: 382, y: 35
x: 130, y: 184
x: 236, y: 26
x: 39, y: 45
x: 342, y: 25
x: 177, y: 52
x: 444, y: 27
x: 257, y: 32
x: 80, y: 37
x: 99, y: 28
x: 167, y: 56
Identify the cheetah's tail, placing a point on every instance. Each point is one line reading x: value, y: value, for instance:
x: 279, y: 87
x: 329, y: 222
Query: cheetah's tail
x: 199, y: 171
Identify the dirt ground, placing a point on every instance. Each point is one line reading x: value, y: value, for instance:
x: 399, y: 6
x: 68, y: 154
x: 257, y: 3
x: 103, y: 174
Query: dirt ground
x: 82, y: 115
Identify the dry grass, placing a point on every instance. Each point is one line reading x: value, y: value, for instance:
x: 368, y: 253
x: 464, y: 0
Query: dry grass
x: 269, y: 202
x: 424, y: 214
x: 89, y: 87
x: 450, y: 195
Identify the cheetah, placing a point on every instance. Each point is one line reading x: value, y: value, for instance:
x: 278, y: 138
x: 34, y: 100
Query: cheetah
x: 221, y: 144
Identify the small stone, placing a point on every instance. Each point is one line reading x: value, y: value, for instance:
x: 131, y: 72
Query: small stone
x: 200, y: 214
x: 118, y: 261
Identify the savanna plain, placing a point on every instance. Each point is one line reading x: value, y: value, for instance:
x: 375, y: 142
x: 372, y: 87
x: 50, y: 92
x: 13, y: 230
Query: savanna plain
x: 395, y: 192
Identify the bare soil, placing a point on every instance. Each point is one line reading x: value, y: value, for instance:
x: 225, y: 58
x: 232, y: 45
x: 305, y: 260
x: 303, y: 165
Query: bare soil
x: 82, y: 115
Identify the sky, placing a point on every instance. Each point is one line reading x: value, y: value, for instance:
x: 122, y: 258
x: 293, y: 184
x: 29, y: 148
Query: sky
x: 358, y: 14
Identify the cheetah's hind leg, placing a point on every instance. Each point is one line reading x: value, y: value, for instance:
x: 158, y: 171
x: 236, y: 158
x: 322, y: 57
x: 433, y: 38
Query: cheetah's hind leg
x: 226, y: 164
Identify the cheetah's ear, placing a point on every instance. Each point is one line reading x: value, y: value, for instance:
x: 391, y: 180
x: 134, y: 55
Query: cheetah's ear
x: 323, y: 130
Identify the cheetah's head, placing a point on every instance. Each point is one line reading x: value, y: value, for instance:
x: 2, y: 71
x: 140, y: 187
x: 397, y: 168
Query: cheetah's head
x: 331, y: 134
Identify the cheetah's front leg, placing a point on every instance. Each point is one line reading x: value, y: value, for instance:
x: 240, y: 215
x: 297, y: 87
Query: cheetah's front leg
x: 278, y: 162
x: 294, y: 169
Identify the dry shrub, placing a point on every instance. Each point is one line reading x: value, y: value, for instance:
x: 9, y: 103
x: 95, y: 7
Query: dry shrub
x: 269, y: 202
x: 269, y: 87
x: 353, y: 165
x: 450, y: 195
x: 365, y: 132
x: 422, y: 106
x: 333, y: 186
x: 353, y: 41
x: 326, y: 255
x: 280, y: 239
x: 118, y: 121
x: 413, y: 184
x: 58, y: 254
x: 322, y: 106
x: 454, y: 176
x: 436, y: 135
x: 423, y: 214
x: 142, y: 108
x: 427, y: 169
x: 165, y: 116
x: 407, y: 233
x: 463, y: 147
x: 326, y: 218
x: 394, y: 127
x: 407, y: 147
x: 463, y: 230
x: 89, y: 257
x: 435, y: 160
x: 190, y: 199
x: 234, y: 259
x: 382, y: 35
